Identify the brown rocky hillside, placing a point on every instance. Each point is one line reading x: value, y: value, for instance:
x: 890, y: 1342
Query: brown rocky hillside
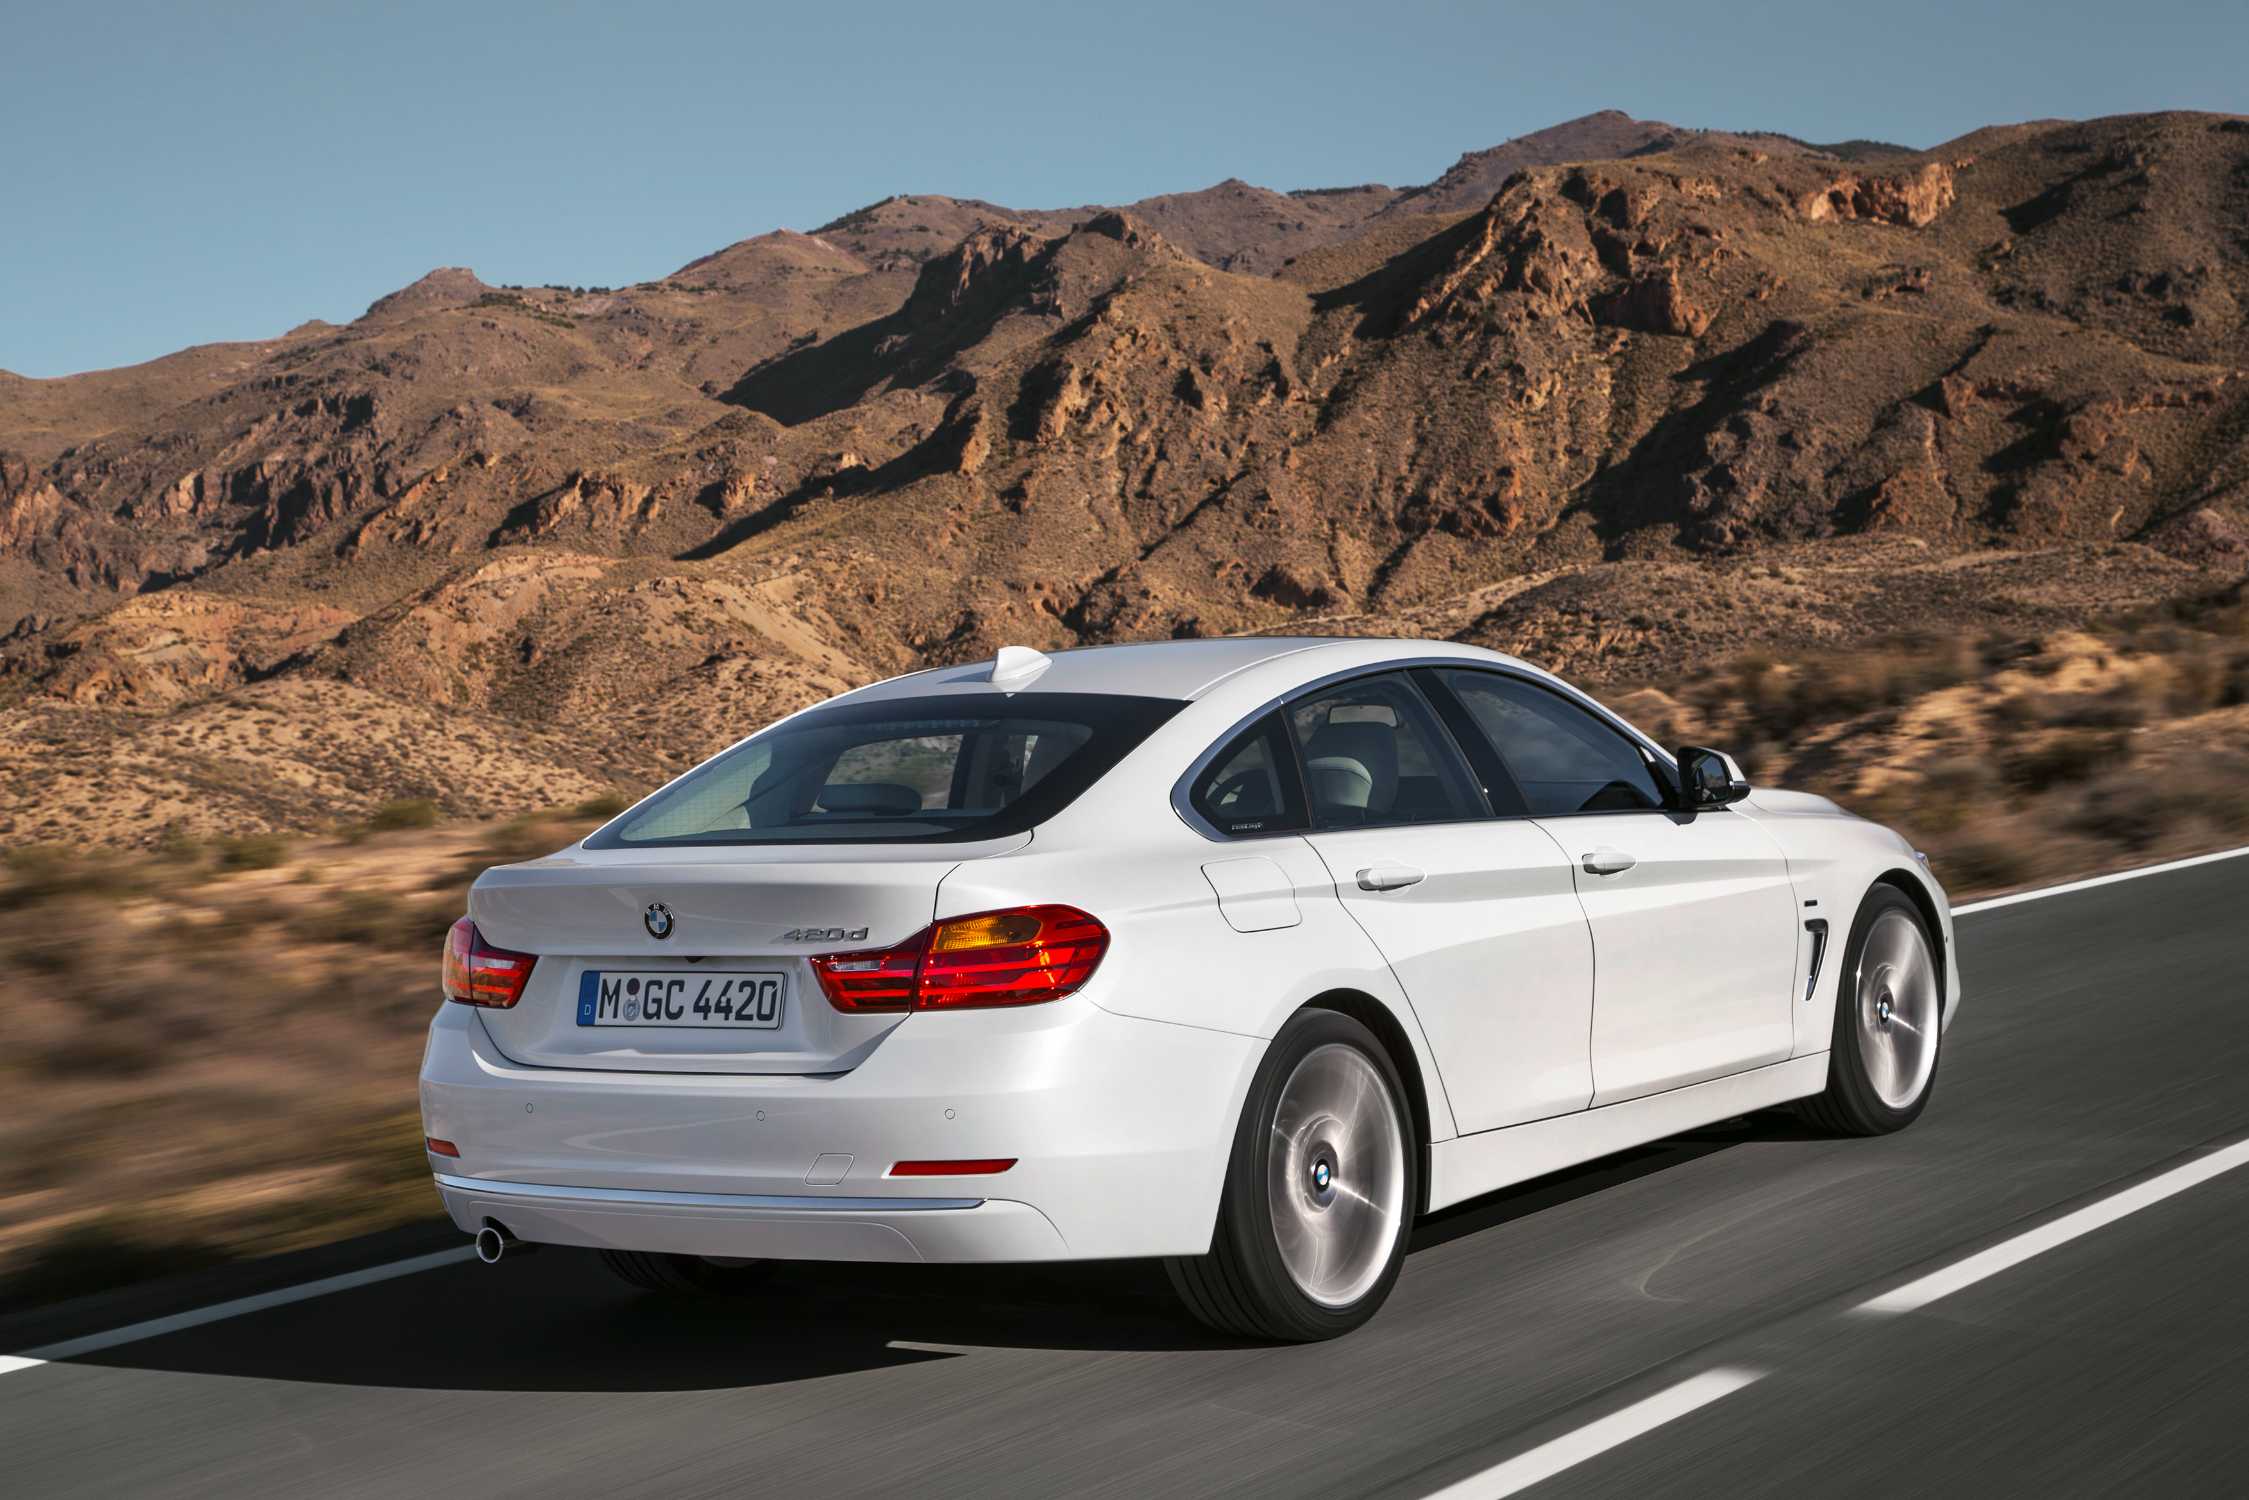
x: 1622, y: 396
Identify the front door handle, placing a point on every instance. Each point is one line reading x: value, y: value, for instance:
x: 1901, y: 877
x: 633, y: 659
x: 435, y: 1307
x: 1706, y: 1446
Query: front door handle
x: 1607, y: 861
x: 1388, y: 877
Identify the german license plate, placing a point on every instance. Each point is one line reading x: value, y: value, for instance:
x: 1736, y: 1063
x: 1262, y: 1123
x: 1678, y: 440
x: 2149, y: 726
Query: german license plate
x: 727, y: 1000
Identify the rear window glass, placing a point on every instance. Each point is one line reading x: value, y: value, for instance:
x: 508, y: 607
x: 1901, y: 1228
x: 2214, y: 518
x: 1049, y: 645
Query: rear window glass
x: 902, y: 770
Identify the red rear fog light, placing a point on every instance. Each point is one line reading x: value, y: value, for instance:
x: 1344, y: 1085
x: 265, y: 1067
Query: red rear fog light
x: 980, y: 1166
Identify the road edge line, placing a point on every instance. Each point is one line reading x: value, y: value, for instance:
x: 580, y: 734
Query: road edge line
x: 1993, y: 903
x: 133, y: 1333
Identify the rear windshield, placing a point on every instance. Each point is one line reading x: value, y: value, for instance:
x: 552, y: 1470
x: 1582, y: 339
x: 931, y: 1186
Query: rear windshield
x: 903, y: 770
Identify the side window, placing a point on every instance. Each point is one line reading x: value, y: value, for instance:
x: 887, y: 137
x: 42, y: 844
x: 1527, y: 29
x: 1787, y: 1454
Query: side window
x: 1250, y: 787
x: 1564, y: 759
x: 1373, y: 755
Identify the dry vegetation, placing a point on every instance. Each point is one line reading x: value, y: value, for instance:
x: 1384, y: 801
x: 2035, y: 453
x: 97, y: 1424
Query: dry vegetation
x: 2012, y: 758
x: 209, y: 1050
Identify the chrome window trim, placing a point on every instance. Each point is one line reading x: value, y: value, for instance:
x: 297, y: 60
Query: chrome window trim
x: 654, y: 1198
x: 1182, y: 790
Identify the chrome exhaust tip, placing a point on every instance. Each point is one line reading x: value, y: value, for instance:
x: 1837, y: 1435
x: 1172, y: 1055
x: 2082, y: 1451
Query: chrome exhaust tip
x: 494, y: 1241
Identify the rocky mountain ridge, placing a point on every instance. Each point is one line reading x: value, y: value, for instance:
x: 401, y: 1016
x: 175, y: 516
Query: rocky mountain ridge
x: 1607, y: 394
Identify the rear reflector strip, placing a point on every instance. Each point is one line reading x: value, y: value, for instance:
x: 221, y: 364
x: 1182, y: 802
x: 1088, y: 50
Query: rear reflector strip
x: 983, y: 1166
x: 440, y: 1148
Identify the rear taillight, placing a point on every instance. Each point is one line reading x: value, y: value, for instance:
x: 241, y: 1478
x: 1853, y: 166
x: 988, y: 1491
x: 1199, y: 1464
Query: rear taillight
x: 476, y: 973
x: 1015, y: 957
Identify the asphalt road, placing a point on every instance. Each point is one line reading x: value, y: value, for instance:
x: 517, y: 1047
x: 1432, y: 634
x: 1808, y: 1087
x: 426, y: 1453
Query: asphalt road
x: 2105, y: 1039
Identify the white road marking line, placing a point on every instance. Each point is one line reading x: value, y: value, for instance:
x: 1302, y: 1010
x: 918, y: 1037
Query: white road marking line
x: 2087, y: 884
x: 1595, y: 1438
x: 1966, y: 1273
x: 156, y: 1327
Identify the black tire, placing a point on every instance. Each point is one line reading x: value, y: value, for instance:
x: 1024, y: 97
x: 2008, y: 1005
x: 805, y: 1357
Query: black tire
x: 1852, y: 1104
x: 686, y: 1275
x: 1243, y: 1286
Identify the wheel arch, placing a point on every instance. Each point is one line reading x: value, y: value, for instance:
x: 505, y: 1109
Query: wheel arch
x: 1926, y: 904
x: 1391, y: 1032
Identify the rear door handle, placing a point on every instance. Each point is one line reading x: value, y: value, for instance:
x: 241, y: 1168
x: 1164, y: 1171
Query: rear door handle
x: 1388, y: 877
x: 1607, y: 861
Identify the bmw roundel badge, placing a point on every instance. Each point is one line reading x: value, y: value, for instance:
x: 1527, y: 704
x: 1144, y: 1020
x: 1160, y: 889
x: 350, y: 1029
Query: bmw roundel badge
x: 658, y: 920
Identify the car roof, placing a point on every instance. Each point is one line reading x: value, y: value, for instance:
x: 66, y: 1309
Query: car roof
x: 1161, y: 669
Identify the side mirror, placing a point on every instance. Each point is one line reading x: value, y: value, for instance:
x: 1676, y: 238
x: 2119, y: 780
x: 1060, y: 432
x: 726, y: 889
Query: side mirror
x: 1708, y: 778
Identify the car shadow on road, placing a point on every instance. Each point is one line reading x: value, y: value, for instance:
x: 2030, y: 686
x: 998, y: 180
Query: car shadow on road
x: 1541, y: 1193
x: 556, y: 1321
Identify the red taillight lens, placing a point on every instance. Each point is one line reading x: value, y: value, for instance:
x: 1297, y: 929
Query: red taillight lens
x: 476, y: 973
x: 1015, y: 957
x: 436, y: 1147
x: 875, y: 979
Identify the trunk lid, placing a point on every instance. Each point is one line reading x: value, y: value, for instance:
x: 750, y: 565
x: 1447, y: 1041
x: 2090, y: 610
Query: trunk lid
x: 749, y: 914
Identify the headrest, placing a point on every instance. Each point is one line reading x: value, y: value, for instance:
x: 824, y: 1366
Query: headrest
x: 886, y: 797
x: 1353, y: 765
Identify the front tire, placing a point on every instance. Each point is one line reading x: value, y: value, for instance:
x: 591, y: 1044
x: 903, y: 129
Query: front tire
x: 1889, y: 1022
x: 1319, y: 1193
x: 686, y: 1275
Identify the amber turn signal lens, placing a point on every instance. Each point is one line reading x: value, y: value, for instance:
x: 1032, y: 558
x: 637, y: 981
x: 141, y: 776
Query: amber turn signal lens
x: 992, y: 930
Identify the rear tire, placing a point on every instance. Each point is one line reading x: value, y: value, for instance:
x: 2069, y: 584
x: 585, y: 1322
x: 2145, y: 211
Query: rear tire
x: 1319, y: 1192
x: 686, y: 1275
x: 1889, y: 1022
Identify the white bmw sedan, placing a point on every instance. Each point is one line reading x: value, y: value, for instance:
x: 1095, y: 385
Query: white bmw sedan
x: 1238, y: 953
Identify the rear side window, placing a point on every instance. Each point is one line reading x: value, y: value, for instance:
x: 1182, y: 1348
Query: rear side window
x: 1251, y: 785
x: 1563, y: 758
x: 1373, y: 755
x: 903, y: 770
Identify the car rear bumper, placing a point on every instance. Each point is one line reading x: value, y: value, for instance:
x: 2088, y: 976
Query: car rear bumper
x: 768, y: 1226
x: 1119, y: 1129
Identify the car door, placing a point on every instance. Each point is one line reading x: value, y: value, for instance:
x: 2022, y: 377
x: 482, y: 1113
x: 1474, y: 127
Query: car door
x: 1478, y: 917
x: 1693, y: 917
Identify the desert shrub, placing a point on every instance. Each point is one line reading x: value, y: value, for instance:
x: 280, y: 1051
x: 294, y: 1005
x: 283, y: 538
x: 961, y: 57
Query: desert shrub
x: 1977, y: 861
x: 94, y: 1254
x: 605, y: 806
x: 253, y: 851
x: 1945, y: 798
x: 105, y: 1051
x: 413, y: 812
x: 40, y: 873
x: 175, y: 845
x: 2062, y: 758
x: 374, y: 919
x: 2127, y: 810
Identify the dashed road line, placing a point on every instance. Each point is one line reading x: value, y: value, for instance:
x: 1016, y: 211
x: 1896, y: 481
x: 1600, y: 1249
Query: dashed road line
x: 1536, y: 1465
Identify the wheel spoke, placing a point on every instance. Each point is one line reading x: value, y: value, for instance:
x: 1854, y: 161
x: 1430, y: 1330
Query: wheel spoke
x: 1897, y: 1009
x: 1335, y: 1174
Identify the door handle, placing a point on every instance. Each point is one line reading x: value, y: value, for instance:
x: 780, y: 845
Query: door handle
x: 1388, y: 877
x: 1607, y: 861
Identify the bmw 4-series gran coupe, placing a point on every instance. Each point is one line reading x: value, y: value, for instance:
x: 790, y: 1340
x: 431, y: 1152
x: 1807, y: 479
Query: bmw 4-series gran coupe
x: 1237, y: 953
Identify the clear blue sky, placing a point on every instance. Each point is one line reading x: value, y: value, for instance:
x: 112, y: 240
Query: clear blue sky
x: 176, y: 173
